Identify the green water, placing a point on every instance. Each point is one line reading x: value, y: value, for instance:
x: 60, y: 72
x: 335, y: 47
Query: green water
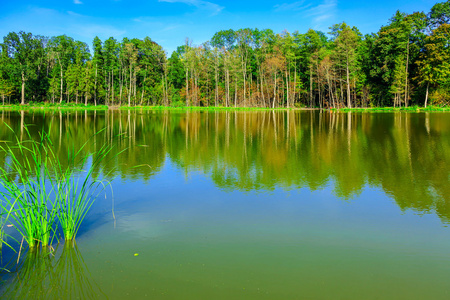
x: 251, y: 205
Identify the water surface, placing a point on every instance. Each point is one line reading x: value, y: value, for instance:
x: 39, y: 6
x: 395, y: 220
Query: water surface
x: 252, y: 205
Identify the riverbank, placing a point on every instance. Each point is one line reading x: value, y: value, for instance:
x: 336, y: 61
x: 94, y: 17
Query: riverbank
x: 395, y: 109
x: 47, y: 106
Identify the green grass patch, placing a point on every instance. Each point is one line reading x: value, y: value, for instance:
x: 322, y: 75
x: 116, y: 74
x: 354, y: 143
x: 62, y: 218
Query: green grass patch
x: 41, y: 195
x: 52, y: 106
x: 200, y: 108
x: 72, y: 106
x: 395, y: 109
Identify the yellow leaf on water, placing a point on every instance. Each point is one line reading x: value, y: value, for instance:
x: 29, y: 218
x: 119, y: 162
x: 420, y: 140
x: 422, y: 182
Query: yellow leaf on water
x: 136, y: 254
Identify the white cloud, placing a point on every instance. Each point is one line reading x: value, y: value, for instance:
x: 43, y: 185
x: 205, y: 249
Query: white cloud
x: 77, y: 2
x: 204, y: 5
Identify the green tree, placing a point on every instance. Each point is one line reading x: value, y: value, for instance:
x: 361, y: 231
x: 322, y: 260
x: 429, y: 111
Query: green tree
x: 439, y: 14
x: 346, y: 42
x: 62, y: 49
x: 27, y: 52
x: 434, y: 67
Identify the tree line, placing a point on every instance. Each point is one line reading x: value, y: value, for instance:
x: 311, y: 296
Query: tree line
x: 407, y: 62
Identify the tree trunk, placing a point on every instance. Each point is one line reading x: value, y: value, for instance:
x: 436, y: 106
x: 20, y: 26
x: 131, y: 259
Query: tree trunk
x: 310, y: 86
x: 274, y: 90
x: 349, y: 100
x: 426, y: 95
x: 295, y: 83
x: 112, y: 88
x: 287, y: 89
x: 187, y: 87
x: 129, y: 91
x: 121, y: 88
x: 23, y: 89
x: 235, y: 91
x: 406, y: 74
x: 227, y: 82
x: 244, y: 73
x: 61, y: 95
x: 95, y: 86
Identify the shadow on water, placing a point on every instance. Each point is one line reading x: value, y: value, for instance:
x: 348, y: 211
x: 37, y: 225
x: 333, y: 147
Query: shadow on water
x: 45, y: 275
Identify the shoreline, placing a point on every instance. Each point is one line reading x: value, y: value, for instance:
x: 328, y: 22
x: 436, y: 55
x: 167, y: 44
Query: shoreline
x: 220, y: 108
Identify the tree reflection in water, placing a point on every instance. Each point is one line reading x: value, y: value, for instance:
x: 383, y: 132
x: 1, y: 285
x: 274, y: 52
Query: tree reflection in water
x: 405, y: 154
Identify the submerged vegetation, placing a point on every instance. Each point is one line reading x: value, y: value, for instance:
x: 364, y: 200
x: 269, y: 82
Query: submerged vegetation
x: 41, y: 194
x: 405, y: 63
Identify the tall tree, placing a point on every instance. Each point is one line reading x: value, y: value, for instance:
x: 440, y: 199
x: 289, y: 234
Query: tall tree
x: 346, y: 42
x: 27, y: 52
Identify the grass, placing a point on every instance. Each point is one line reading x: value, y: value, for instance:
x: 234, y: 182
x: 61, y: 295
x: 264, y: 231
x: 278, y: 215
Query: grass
x: 199, y: 108
x: 53, y: 106
x: 396, y: 109
x: 41, y: 195
x: 73, y: 106
x: 75, y: 195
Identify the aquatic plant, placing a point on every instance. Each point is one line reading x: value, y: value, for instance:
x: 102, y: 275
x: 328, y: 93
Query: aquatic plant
x: 27, y: 193
x: 4, y: 216
x: 77, y: 194
x: 38, y: 190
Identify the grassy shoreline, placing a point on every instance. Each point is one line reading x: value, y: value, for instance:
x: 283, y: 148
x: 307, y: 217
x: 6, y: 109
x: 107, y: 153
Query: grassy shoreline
x: 72, y: 107
x: 396, y: 109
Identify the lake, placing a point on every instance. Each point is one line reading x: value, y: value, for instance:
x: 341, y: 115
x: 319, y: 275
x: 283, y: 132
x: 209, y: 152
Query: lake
x: 249, y: 205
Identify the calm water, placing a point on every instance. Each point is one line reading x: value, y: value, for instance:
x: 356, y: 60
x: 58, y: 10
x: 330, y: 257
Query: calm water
x: 252, y: 205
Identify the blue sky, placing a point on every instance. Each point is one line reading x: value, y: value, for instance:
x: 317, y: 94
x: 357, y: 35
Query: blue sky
x: 170, y: 22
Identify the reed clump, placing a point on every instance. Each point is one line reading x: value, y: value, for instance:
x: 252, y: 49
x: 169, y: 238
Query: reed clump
x: 41, y: 194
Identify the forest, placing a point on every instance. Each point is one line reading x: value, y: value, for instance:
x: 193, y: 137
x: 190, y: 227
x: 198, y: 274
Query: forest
x: 407, y: 62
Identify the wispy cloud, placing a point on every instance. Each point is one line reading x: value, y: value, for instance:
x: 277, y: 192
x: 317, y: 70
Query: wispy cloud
x: 295, y: 6
x: 80, y: 27
x: 323, y: 12
x: 74, y: 14
x: 77, y: 2
x: 318, y: 12
x: 204, y: 5
x: 89, y: 31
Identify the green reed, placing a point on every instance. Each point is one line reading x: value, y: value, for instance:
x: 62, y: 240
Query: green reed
x: 77, y: 194
x: 39, y: 191
x: 25, y: 179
